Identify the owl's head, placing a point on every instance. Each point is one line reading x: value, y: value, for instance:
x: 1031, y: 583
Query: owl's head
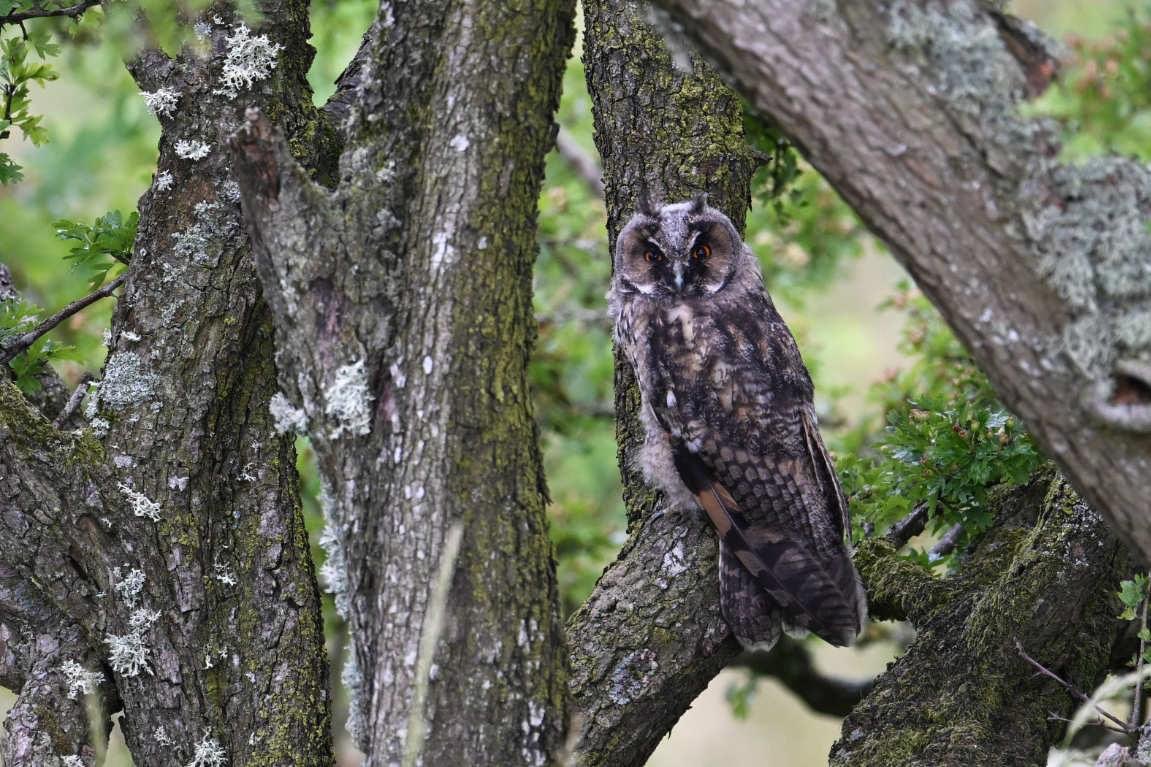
x: 683, y: 250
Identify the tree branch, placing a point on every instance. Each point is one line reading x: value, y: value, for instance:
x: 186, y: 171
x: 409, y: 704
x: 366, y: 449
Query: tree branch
x: 411, y: 404
x: 71, y: 11
x: 912, y: 112
x: 37, y: 645
x: 585, y: 165
x: 25, y: 340
x: 961, y: 693
x: 790, y: 662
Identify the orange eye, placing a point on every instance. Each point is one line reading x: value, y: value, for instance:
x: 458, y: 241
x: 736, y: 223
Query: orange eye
x: 651, y: 256
x: 702, y: 253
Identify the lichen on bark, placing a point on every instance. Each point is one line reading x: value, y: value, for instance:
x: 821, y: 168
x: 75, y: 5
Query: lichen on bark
x: 1044, y: 578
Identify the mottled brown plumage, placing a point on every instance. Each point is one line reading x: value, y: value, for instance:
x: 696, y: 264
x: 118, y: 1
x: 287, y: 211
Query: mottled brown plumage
x: 727, y: 408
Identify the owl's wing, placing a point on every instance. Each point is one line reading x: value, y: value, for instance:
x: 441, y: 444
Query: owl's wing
x: 745, y: 443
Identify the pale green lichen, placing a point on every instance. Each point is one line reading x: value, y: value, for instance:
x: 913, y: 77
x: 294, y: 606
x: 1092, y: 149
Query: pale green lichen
x: 127, y: 381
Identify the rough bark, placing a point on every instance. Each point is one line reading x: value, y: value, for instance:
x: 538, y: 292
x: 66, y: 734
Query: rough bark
x: 402, y: 302
x: 911, y: 110
x: 1044, y: 578
x: 37, y: 640
x: 181, y: 424
x: 650, y: 637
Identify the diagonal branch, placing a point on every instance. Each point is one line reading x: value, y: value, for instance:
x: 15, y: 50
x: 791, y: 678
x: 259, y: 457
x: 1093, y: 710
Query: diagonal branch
x: 23, y: 341
x: 791, y: 664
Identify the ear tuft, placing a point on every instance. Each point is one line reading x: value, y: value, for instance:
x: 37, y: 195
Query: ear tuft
x: 698, y: 203
x: 643, y: 202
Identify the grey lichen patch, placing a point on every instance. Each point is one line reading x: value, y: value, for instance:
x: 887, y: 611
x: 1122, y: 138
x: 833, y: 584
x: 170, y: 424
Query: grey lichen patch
x: 127, y: 381
x: 205, y: 240
x: 348, y: 401
x: 630, y: 678
x: 963, y: 53
x: 1089, y: 226
x: 1086, y: 224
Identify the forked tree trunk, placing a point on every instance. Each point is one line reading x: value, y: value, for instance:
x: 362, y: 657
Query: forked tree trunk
x: 402, y: 302
x: 172, y: 519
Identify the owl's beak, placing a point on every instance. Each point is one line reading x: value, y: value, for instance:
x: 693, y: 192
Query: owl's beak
x: 678, y: 267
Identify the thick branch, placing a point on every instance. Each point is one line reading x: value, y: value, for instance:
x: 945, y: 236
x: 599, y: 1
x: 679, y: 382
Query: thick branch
x: 42, y: 657
x: 403, y: 315
x: 648, y: 640
x: 911, y: 111
x: 790, y: 662
x: 1045, y: 576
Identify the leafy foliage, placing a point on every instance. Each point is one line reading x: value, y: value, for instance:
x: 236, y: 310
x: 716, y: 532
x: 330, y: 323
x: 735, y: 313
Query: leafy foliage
x: 946, y: 441
x: 1103, y: 100
x: 17, y: 74
x: 100, y: 246
x: 801, y: 230
x: 1131, y: 594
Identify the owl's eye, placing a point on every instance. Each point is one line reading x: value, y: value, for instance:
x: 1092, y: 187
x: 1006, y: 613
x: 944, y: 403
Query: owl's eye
x: 702, y: 252
x: 651, y: 256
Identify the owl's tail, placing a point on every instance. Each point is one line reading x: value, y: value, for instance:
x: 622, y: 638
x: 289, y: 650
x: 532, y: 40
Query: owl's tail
x: 812, y: 590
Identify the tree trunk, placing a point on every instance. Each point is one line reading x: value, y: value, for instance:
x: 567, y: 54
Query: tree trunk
x: 1043, y: 580
x: 169, y: 527
x: 1043, y: 270
x: 402, y: 302
x: 650, y: 637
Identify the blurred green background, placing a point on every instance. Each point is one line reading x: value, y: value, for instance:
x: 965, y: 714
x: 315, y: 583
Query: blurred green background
x: 860, y: 329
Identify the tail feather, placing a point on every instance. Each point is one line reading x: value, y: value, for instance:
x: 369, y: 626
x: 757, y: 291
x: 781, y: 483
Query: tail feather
x: 753, y: 615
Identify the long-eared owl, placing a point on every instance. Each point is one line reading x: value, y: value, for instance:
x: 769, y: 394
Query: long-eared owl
x: 730, y: 425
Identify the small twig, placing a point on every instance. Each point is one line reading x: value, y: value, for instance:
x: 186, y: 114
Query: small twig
x: 1137, y: 704
x: 1081, y: 696
x: 948, y: 542
x: 73, y: 403
x: 434, y: 621
x: 1097, y: 722
x: 73, y: 11
x: 22, y: 342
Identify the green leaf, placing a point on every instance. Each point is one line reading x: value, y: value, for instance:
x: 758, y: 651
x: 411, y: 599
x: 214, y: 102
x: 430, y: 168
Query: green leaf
x: 1131, y: 594
x: 10, y: 172
x: 740, y: 694
x: 101, y: 245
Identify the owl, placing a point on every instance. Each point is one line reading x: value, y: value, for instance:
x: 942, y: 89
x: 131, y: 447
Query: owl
x: 730, y: 426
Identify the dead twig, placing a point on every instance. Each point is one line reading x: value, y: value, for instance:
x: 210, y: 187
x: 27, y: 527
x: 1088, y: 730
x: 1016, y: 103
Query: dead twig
x: 948, y: 542
x: 1078, y: 694
x: 1137, y: 703
x: 73, y: 403
x: 908, y: 527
